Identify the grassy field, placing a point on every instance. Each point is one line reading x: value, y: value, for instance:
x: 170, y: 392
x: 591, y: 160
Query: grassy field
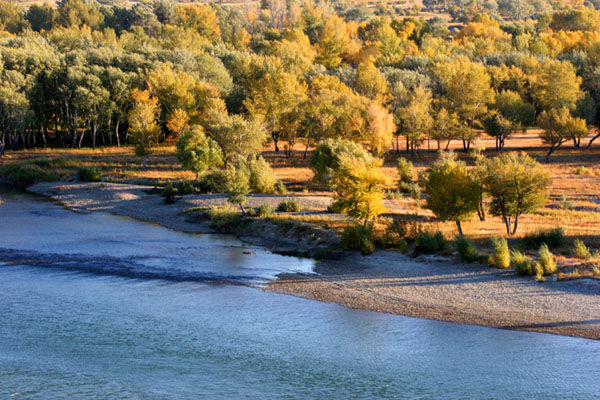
x: 574, y: 204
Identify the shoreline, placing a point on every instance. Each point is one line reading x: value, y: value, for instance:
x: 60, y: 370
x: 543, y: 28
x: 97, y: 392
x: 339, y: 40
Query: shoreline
x: 386, y: 281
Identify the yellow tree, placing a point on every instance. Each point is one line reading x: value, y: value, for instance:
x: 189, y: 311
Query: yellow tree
x: 332, y: 43
x: 358, y: 186
x: 142, y: 122
x: 380, y: 128
x: 556, y: 85
x: 202, y: 18
x: 558, y: 126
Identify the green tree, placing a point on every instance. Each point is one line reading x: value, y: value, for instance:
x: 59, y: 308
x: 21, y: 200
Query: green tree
x: 142, y: 122
x: 556, y: 85
x: 237, y: 185
x: 326, y: 157
x: 517, y: 184
x: 445, y: 127
x: 273, y: 97
x: 358, y: 187
x: 558, y: 126
x: 332, y: 43
x: 197, y: 152
x: 452, y: 193
x: 236, y: 135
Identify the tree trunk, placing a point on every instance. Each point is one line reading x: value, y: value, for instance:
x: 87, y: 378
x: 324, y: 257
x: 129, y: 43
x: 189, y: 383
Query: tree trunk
x: 117, y: 134
x: 275, y: 136
x: 592, y: 140
x: 516, y: 225
x: 459, y: 226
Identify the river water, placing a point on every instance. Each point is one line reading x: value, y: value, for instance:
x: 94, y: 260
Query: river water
x: 95, y: 306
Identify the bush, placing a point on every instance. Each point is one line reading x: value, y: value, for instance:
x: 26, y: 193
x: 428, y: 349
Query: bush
x: 467, y: 252
x: 501, y: 256
x: 546, y: 261
x: 280, y: 188
x: 288, y: 206
x: 326, y: 157
x: 25, y: 174
x: 213, y: 182
x: 580, y: 250
x: 223, y: 215
x: 429, y: 242
x: 358, y: 237
x: 186, y: 187
x: 265, y: 211
x: 523, y: 264
x: 553, y: 238
x: 405, y: 170
x: 262, y: 177
x: 415, y: 191
x: 89, y: 174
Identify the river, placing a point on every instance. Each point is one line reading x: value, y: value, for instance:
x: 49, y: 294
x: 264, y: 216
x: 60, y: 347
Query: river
x: 96, y: 306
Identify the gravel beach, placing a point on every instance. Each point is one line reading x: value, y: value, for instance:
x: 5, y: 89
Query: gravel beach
x: 385, y: 281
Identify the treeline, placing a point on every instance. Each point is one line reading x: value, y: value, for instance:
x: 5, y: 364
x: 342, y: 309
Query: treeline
x: 87, y: 73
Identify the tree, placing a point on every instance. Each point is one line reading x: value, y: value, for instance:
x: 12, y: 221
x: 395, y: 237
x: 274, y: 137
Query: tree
x: 326, y: 158
x: 452, y: 193
x: 517, y: 184
x: 142, y: 122
x: 197, y: 152
x: 332, y: 43
x: 369, y: 81
x: 412, y: 111
x: 358, y: 187
x: 236, y: 136
x: 76, y: 13
x: 510, y: 114
x: 274, y: 96
x: 41, y: 17
x: 467, y: 91
x: 380, y: 128
x: 237, y: 185
x: 558, y: 126
x: 445, y: 127
x: 556, y: 85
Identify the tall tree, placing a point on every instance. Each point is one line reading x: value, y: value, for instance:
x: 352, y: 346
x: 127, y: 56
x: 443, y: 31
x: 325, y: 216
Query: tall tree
x: 142, y: 122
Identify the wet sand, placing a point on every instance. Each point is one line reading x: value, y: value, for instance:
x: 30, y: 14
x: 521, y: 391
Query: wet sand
x: 385, y: 281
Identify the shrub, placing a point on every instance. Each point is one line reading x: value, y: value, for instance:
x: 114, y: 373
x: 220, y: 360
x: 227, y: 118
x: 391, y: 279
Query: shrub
x: 584, y: 171
x: 169, y: 193
x: 523, y: 264
x: 186, y: 187
x: 335, y: 208
x: 467, y: 252
x: 501, y: 256
x: 25, y: 174
x: 429, y: 242
x: 415, y: 191
x: 265, y: 211
x: 580, y: 250
x: 553, y: 238
x: 223, y: 215
x: 405, y: 170
x: 288, y: 206
x: 326, y: 157
x: 358, y: 237
x: 262, y: 177
x: 213, y: 182
x: 546, y: 261
x: 280, y: 188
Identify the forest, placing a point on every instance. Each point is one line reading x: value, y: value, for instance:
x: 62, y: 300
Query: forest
x: 87, y: 73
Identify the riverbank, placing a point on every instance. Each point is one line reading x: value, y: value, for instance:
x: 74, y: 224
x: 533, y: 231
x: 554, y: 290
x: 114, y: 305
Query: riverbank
x: 385, y: 281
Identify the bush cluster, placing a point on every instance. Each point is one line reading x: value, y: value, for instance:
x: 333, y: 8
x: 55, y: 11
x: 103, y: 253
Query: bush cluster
x: 467, y: 252
x: 553, y: 238
x: 428, y: 242
x: 25, y: 174
x: 89, y: 174
x: 223, y: 215
x: 501, y: 256
x: 358, y: 237
x: 288, y: 206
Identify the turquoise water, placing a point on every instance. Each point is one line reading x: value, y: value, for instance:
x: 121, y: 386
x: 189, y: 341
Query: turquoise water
x: 100, y: 307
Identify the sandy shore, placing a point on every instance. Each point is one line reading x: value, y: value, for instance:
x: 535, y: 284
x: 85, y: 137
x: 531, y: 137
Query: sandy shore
x: 384, y: 281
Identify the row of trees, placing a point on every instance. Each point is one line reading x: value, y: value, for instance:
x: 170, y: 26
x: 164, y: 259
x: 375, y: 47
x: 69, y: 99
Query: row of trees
x: 86, y: 73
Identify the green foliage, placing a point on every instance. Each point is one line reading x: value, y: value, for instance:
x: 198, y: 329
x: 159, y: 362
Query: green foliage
x: 580, y: 250
x: 265, y: 211
x: 405, y: 170
x: 546, y: 261
x: 223, y: 215
x: 358, y: 237
x: 523, y: 264
x: 89, y: 174
x: 467, y: 252
x: 501, y: 256
x: 261, y: 175
x: 236, y: 186
x: 289, y: 206
x: 517, y: 184
x: 553, y: 238
x: 453, y: 194
x: 280, y: 188
x: 396, y: 234
x: 428, y: 242
x: 415, y: 191
x: 25, y: 174
x: 197, y: 152
x: 326, y: 157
